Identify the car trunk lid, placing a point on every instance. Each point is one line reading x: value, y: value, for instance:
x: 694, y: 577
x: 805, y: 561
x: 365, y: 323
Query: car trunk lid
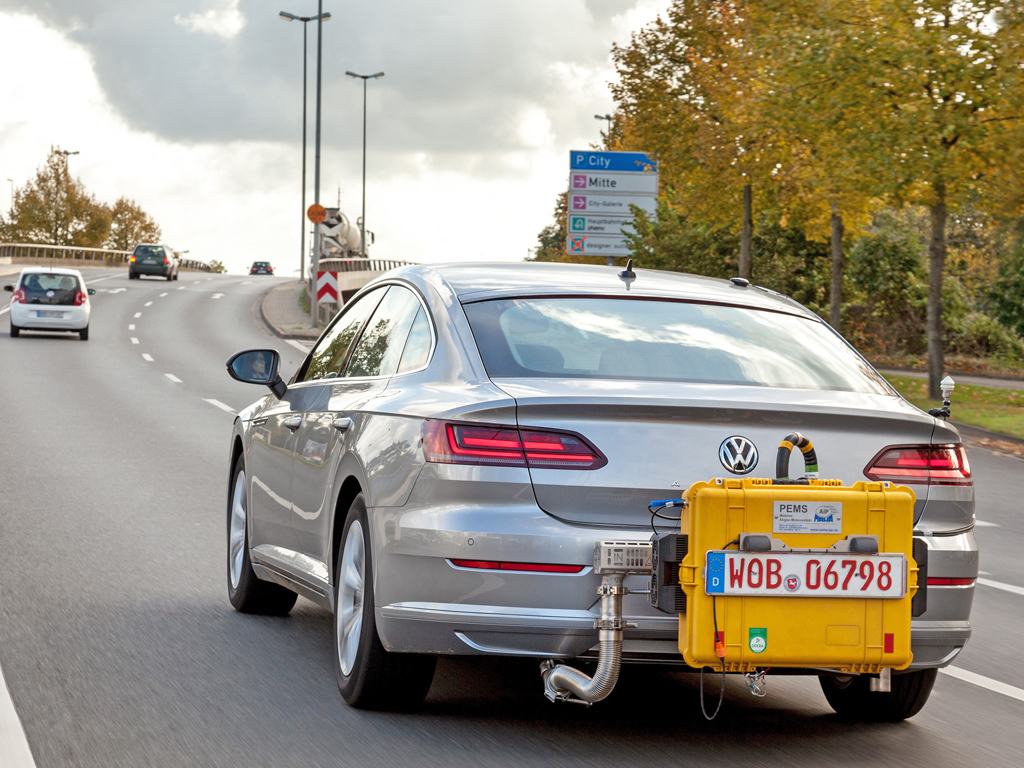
x: 660, y: 437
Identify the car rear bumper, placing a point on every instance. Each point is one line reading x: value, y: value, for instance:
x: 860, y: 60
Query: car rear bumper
x: 151, y: 269
x: 426, y: 604
x: 72, y: 318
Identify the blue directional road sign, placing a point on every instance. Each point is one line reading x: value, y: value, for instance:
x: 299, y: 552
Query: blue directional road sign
x: 637, y: 162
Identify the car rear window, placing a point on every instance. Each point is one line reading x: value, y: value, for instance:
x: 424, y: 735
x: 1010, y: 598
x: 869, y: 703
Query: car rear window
x: 604, y: 338
x: 49, y: 289
x: 147, y: 251
x: 261, y: 263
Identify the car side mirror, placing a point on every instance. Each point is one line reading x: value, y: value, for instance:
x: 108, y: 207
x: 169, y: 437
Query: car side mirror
x: 9, y: 288
x: 258, y: 366
x: 92, y: 291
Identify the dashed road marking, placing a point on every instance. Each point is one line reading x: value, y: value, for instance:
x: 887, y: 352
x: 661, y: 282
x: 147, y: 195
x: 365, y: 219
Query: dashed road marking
x: 134, y: 340
x: 148, y: 304
x: 1012, y: 588
x: 181, y: 288
x: 14, y: 749
x: 163, y: 294
x: 985, y: 682
x: 147, y: 358
x: 131, y: 326
x: 138, y: 314
x: 983, y: 524
x: 299, y: 345
x: 4, y: 310
x: 173, y: 378
x: 219, y: 404
x: 217, y: 296
x: 117, y: 290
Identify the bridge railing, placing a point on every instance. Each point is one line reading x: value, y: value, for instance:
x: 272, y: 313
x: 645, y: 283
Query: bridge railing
x: 32, y: 251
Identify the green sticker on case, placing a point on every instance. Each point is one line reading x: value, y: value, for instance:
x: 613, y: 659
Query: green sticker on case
x: 758, y: 639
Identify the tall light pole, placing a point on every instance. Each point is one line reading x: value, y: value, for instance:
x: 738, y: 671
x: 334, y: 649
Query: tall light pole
x: 66, y: 153
x: 362, y: 220
x: 609, y: 118
x: 302, y: 229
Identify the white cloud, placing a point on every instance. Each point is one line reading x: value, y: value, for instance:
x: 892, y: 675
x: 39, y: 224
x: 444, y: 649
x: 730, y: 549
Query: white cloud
x: 223, y: 20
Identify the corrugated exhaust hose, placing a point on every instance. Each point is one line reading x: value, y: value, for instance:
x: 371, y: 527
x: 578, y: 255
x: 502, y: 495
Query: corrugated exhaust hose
x: 563, y: 683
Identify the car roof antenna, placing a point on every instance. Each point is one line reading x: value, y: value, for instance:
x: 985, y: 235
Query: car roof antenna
x: 628, y: 275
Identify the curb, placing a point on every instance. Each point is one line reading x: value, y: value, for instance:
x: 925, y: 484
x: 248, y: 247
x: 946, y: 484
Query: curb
x: 277, y: 331
x: 973, y: 431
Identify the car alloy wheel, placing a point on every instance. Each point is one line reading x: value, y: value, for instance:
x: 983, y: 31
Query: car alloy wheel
x: 236, y: 532
x: 349, y: 614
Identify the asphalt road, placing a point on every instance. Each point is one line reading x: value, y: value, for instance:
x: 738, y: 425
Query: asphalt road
x: 119, y: 646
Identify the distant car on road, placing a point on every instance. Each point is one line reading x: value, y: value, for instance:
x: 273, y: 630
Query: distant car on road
x: 153, y: 259
x: 261, y: 268
x: 50, y: 300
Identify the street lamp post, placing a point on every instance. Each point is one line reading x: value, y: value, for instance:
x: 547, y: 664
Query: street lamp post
x: 302, y: 230
x: 609, y: 118
x: 362, y: 220
x: 66, y: 153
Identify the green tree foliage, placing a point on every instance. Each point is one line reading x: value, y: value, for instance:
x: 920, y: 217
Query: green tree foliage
x: 130, y: 225
x: 217, y: 268
x: 55, y: 209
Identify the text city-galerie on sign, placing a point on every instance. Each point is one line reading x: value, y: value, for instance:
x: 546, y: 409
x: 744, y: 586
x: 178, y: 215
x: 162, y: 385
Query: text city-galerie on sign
x: 603, y: 187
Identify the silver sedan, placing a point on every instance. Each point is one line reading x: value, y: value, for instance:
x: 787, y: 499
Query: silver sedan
x: 437, y: 471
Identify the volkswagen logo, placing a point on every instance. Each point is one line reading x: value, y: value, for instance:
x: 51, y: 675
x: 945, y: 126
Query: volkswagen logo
x: 738, y: 455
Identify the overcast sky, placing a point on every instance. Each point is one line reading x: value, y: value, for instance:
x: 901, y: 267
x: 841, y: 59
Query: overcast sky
x: 193, y: 108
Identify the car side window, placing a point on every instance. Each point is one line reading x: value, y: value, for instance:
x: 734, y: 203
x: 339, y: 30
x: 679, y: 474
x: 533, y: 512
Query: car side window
x: 417, y: 347
x: 379, y: 349
x: 329, y: 355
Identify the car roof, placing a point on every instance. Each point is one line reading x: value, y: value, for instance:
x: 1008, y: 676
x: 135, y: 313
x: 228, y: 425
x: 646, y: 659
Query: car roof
x: 490, y: 280
x: 50, y: 271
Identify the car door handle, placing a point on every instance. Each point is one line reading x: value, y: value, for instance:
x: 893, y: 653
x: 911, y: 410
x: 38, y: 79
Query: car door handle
x: 293, y: 422
x: 342, y: 423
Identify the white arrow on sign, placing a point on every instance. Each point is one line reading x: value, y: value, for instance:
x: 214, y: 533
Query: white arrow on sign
x: 614, y: 204
x: 614, y: 183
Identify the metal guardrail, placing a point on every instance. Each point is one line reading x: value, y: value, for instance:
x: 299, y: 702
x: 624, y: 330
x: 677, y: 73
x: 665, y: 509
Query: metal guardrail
x: 78, y: 253
x: 361, y: 265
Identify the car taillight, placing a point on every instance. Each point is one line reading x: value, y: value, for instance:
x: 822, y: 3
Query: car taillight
x: 494, y: 565
x: 497, y: 445
x: 81, y: 297
x: 131, y: 259
x: 166, y: 260
x: 19, y: 297
x: 921, y: 464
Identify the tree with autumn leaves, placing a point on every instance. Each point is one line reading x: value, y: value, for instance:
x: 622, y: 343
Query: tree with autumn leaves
x: 817, y: 115
x: 55, y: 209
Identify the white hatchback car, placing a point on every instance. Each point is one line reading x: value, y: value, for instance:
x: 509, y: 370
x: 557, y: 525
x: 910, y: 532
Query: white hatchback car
x: 50, y: 300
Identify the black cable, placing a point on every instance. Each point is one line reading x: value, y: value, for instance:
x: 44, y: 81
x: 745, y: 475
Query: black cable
x: 655, y: 513
x: 721, y: 691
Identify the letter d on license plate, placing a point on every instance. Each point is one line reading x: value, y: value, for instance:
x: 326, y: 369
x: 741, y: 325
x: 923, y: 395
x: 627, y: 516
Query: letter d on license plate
x: 799, y: 574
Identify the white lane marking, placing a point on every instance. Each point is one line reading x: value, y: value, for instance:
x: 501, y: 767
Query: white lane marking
x: 134, y: 340
x: 983, y: 524
x: 131, y: 326
x: 298, y: 345
x: 219, y: 404
x: 101, y: 279
x: 173, y: 378
x: 138, y: 314
x: 147, y: 358
x: 217, y: 296
x: 1005, y: 587
x: 181, y: 288
x: 117, y: 290
x: 197, y: 281
x: 984, y: 682
x: 247, y: 282
x: 5, y: 310
x: 163, y: 294
x: 209, y: 278
x: 148, y: 304
x: 14, y: 749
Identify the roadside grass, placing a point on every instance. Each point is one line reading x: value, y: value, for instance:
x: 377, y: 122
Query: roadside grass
x: 1001, y: 410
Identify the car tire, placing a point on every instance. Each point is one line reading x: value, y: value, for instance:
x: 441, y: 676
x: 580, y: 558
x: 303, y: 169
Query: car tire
x: 170, y: 276
x: 84, y: 334
x: 15, y: 331
x: 853, y: 700
x: 369, y: 677
x: 248, y: 593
